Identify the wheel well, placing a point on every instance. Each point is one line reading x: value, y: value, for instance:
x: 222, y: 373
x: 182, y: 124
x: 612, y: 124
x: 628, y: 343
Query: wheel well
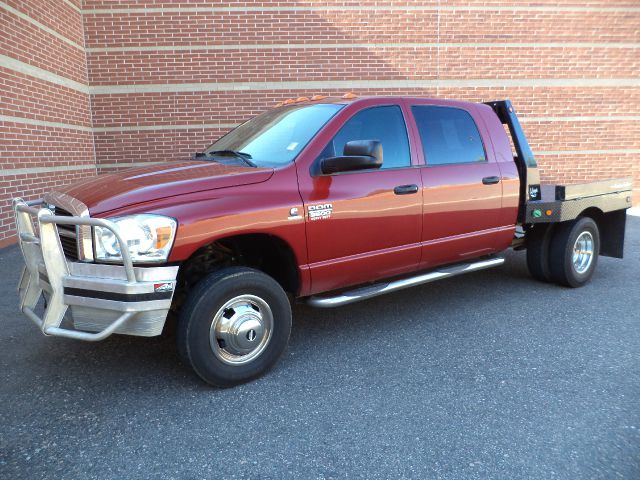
x: 593, y: 212
x: 263, y: 252
x: 596, y: 215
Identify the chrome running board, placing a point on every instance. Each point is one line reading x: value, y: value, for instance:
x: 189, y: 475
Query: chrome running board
x: 377, y: 289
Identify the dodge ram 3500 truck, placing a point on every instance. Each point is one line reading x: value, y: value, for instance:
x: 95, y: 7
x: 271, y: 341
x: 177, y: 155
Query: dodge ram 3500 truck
x: 324, y: 200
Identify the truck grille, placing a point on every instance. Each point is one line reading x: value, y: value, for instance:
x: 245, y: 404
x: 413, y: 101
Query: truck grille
x: 68, y: 236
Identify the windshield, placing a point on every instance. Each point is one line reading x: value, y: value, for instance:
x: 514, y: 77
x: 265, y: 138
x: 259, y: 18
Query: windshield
x: 276, y: 137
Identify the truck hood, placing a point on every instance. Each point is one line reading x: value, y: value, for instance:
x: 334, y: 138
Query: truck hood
x: 138, y: 185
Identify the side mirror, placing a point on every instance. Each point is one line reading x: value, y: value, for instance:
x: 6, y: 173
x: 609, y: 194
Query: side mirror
x: 357, y: 155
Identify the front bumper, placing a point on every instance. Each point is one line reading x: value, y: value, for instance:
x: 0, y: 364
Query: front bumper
x: 86, y: 301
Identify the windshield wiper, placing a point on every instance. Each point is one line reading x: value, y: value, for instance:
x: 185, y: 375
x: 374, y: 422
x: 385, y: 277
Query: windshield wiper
x: 244, y: 156
x: 231, y: 152
x: 226, y: 153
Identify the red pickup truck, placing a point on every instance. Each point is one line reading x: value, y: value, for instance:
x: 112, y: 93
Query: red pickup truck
x: 324, y: 200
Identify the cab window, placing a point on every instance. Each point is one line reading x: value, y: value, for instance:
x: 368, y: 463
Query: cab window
x: 385, y: 124
x: 448, y: 135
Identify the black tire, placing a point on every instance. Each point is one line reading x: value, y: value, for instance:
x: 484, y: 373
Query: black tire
x: 201, y: 307
x: 538, y: 241
x: 561, y: 263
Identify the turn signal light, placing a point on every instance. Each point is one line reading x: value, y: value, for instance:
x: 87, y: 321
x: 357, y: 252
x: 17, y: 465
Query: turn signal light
x: 549, y: 213
x: 163, y: 235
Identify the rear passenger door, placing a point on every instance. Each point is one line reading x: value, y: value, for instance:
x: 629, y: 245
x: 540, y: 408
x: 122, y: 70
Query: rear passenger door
x: 462, y: 188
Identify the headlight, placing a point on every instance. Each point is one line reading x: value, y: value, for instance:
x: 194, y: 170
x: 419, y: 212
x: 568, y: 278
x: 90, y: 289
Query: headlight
x: 148, y: 237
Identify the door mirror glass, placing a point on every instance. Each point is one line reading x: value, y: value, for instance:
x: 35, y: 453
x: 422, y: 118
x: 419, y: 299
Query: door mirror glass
x: 357, y: 155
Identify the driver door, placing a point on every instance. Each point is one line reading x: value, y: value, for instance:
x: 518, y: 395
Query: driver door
x: 364, y: 225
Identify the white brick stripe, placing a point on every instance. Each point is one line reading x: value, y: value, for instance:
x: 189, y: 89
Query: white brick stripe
x: 8, y: 172
x: 44, y: 123
x: 73, y: 5
x: 200, y: 126
x: 221, y: 126
x: 41, y: 26
x: 338, y: 46
x: 585, y: 118
x: 621, y: 151
x: 22, y: 67
x: 143, y: 128
x: 364, y: 84
x: 42, y: 74
x: 368, y: 8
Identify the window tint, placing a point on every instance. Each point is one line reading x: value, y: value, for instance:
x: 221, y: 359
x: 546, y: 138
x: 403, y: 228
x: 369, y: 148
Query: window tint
x: 449, y: 135
x: 385, y: 124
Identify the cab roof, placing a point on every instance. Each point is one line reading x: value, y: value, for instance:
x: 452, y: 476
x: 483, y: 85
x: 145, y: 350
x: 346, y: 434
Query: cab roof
x: 349, y: 98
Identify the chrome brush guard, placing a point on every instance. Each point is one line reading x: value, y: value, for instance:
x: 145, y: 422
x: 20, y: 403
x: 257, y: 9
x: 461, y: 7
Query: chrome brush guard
x: 100, y: 299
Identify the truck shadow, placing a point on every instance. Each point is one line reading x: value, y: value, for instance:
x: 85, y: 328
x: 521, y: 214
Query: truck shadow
x: 322, y: 340
x: 431, y: 304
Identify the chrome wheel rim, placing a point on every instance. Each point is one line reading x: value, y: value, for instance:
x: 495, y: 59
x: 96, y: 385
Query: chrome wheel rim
x: 241, y: 329
x: 583, y: 252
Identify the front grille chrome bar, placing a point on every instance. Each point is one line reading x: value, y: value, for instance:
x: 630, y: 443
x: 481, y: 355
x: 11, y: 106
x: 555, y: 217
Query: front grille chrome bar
x: 76, y: 208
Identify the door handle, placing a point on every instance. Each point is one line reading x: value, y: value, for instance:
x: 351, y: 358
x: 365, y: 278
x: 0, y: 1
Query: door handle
x: 405, y: 189
x: 490, y: 180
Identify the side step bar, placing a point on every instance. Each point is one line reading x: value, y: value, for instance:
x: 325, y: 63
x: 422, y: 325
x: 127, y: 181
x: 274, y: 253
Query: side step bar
x: 377, y: 289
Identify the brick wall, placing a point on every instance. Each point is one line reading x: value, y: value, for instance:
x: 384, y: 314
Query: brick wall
x: 169, y: 77
x: 46, y: 138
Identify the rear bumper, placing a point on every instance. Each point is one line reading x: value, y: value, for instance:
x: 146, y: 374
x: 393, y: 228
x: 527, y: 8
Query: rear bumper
x: 86, y: 301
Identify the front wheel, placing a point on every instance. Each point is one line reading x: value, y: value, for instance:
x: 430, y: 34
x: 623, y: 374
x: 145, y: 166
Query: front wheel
x: 574, y: 251
x: 234, y: 326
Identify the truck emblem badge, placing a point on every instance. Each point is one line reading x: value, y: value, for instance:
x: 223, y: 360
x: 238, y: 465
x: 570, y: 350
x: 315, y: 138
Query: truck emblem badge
x: 251, y: 335
x: 320, y: 212
x: 534, y: 192
x: 163, y: 287
x: 293, y: 214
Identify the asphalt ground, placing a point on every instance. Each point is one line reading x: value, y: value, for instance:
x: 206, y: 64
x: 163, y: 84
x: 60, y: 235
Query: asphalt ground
x: 490, y: 375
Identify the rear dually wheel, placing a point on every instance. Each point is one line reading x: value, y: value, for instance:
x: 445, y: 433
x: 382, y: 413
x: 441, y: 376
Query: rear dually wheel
x: 574, y: 252
x: 538, y: 240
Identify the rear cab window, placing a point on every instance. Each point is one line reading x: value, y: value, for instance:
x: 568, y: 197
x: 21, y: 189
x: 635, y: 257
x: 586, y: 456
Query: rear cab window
x: 449, y: 135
